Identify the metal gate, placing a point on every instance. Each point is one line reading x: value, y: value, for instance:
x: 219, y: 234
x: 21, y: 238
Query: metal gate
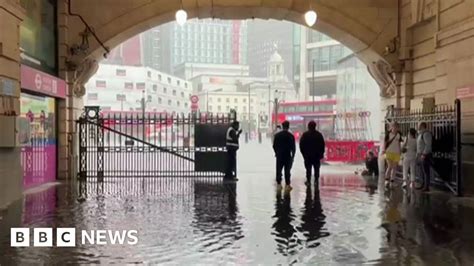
x: 128, y: 144
x: 445, y: 124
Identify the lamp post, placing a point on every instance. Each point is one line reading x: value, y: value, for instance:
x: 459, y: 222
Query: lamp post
x: 312, y: 88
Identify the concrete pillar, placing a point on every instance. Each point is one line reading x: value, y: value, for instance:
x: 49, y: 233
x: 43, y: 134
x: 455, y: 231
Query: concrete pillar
x: 11, y: 15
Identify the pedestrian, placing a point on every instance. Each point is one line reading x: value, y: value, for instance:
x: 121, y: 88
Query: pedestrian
x: 285, y: 148
x: 277, y: 129
x: 409, y: 159
x: 392, y: 150
x: 424, y: 148
x: 371, y: 164
x: 232, y: 144
x: 312, y: 147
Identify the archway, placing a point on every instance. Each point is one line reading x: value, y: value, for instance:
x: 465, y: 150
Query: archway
x: 368, y: 28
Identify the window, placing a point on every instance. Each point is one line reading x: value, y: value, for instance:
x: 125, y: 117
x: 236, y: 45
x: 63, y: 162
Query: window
x: 186, y: 85
x: 235, y: 100
x: 169, y: 102
x: 219, y: 108
x: 155, y: 87
x: 185, y: 105
x: 244, y: 100
x: 140, y: 85
x: 210, y: 108
x: 218, y: 100
x: 174, y: 92
x: 227, y: 108
x: 160, y: 101
x: 159, y: 77
x: 182, y: 94
x: 178, y: 82
x: 128, y: 85
x: 100, y: 83
x: 169, y: 80
x: 92, y: 96
x: 121, y: 97
x: 165, y: 90
x: 227, y: 100
x: 148, y: 74
x: 120, y: 72
x: 178, y: 103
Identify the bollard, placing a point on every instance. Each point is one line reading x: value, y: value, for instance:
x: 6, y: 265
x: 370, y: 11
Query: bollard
x: 246, y: 137
x: 260, y: 137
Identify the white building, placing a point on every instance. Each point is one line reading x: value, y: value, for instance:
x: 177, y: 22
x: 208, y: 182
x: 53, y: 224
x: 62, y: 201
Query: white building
x: 251, y: 97
x: 192, y: 70
x: 121, y: 88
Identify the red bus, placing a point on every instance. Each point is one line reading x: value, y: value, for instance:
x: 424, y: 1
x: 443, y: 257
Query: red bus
x: 323, y: 112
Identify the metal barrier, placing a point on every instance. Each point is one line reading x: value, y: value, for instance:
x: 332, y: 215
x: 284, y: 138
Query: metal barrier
x: 348, y: 151
x: 124, y: 144
x: 445, y: 124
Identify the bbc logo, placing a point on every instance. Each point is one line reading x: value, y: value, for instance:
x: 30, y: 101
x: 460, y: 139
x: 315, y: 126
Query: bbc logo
x: 42, y: 237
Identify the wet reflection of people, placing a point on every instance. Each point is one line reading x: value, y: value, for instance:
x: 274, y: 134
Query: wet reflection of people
x: 216, y: 210
x: 283, y: 230
x: 313, y: 218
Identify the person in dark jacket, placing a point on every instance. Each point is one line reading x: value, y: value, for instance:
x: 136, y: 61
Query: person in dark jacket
x: 232, y: 145
x: 312, y: 147
x: 371, y: 164
x: 285, y: 148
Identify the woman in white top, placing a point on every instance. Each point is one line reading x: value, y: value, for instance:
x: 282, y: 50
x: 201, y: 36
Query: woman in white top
x: 392, y: 150
x: 409, y: 159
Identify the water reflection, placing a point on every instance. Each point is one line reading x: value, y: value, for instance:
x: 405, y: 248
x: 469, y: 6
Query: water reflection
x: 198, y: 221
x: 216, y: 216
x: 284, y: 230
x: 313, y: 218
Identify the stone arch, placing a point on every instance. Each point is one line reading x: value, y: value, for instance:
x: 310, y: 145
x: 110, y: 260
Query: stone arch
x: 366, y: 27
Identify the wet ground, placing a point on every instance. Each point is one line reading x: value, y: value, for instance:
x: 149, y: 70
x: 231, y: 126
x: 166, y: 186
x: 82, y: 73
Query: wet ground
x: 349, y: 220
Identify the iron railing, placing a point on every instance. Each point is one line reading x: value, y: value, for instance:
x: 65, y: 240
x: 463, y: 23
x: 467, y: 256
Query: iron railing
x: 445, y: 124
x: 124, y: 144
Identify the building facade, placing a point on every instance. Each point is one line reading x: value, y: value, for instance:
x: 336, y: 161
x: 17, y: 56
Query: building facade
x: 264, y: 40
x: 122, y: 88
x: 316, y: 73
x: 251, y: 97
x: 358, y: 104
x: 208, y: 41
x: 191, y: 70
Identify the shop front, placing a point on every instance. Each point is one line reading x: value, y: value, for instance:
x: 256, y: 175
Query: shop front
x: 38, y: 125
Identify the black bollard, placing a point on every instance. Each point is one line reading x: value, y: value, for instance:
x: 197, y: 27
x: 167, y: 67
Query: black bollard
x: 260, y: 137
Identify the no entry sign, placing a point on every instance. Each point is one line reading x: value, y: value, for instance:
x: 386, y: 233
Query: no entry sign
x: 194, y: 99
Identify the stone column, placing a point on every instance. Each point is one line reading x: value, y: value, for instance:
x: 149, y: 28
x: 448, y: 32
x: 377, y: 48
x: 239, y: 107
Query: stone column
x: 11, y: 15
x: 76, y: 71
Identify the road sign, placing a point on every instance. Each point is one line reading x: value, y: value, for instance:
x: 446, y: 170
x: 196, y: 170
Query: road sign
x: 194, y: 99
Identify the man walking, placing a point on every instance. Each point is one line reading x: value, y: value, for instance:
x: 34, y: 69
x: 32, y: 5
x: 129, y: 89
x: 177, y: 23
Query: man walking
x: 312, y: 147
x: 284, y: 147
x: 232, y: 144
x: 424, y: 146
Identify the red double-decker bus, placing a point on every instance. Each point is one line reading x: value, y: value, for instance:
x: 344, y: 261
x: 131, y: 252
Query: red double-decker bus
x: 323, y: 112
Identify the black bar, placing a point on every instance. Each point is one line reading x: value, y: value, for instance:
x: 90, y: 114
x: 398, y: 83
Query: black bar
x: 459, y: 181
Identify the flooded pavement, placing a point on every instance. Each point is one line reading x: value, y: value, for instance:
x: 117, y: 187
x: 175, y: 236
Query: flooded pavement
x: 349, y: 220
